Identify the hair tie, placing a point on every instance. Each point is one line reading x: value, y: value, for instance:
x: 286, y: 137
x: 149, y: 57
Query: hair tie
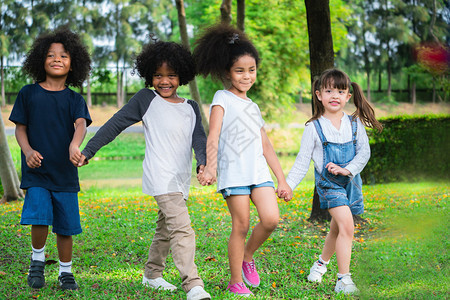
x: 234, y: 38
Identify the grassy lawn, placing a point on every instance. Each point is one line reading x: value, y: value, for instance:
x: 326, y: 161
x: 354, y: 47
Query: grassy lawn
x: 401, y: 252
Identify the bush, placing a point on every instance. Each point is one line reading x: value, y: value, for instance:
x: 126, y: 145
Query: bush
x: 409, y: 148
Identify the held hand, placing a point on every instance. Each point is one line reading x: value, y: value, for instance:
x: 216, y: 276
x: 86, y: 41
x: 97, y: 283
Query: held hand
x: 207, y: 177
x: 82, y: 161
x: 284, y: 191
x: 74, y: 155
x: 337, y: 170
x: 34, y: 159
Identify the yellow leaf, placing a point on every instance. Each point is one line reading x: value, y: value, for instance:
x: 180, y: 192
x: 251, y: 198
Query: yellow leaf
x: 274, y: 285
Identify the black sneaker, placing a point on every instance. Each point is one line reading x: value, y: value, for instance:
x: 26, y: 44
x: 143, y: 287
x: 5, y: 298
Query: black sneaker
x: 67, y: 281
x: 36, y: 277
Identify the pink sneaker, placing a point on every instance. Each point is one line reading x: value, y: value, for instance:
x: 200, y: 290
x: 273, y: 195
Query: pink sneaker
x: 239, y: 289
x: 250, y: 274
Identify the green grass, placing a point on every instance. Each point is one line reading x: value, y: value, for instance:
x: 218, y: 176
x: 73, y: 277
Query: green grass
x: 401, y: 252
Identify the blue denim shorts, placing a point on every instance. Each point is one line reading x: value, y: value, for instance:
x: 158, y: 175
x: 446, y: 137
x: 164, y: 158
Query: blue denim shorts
x: 59, y: 209
x: 244, y: 190
x: 350, y: 195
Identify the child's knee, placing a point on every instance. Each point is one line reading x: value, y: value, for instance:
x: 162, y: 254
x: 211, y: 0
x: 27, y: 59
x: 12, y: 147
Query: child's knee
x: 241, y: 229
x: 270, y: 224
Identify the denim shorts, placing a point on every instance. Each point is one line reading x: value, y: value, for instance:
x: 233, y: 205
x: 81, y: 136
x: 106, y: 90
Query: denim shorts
x: 334, y: 196
x: 59, y: 209
x: 244, y: 190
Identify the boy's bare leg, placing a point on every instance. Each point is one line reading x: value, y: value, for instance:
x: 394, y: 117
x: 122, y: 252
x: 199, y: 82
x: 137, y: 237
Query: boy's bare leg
x: 39, y: 235
x: 64, y: 244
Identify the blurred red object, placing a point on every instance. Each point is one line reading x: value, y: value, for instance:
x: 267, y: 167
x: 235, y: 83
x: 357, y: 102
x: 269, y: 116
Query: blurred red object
x: 434, y: 57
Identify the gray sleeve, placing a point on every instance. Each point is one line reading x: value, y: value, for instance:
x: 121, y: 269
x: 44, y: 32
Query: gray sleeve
x: 130, y: 114
x: 198, y: 136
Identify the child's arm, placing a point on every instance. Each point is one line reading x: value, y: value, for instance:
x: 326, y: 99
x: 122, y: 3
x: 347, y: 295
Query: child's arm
x: 128, y: 115
x: 362, y: 156
x: 33, y: 158
x: 283, y: 191
x: 215, y: 125
x: 198, y: 138
x: 78, y: 137
x: 303, y: 159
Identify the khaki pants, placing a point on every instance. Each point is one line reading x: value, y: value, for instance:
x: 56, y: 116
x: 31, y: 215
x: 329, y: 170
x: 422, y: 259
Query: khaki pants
x: 173, y: 231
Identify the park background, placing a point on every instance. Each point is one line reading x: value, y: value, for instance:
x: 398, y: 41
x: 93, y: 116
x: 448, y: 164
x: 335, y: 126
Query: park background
x: 398, y: 52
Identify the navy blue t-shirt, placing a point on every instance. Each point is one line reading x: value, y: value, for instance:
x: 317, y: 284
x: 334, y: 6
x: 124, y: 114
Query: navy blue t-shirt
x: 50, y: 117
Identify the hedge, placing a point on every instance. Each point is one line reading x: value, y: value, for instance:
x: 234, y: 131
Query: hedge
x: 409, y: 148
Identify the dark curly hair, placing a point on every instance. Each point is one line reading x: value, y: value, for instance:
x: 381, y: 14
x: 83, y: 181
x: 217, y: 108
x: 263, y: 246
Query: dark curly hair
x: 219, y: 47
x: 79, y: 56
x: 176, y: 56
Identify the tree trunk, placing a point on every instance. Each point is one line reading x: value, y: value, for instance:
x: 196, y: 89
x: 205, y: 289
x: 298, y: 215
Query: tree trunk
x: 8, y: 174
x: 241, y: 15
x: 88, y: 92
x: 193, y: 88
x: 434, y: 90
x: 225, y: 11
x: 2, y: 75
x: 389, y: 70
x: 321, y: 56
x: 368, y: 87
x: 119, y: 87
x: 413, y: 92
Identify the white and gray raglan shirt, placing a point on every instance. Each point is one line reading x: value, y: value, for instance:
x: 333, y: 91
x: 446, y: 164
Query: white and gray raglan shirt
x: 171, y: 131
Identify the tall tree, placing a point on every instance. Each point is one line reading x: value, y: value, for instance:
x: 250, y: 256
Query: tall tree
x: 124, y: 16
x: 241, y: 15
x: 225, y: 11
x: 13, y: 35
x: 8, y: 173
x: 321, y: 57
x: 392, y: 30
x: 195, y: 94
x: 360, y: 48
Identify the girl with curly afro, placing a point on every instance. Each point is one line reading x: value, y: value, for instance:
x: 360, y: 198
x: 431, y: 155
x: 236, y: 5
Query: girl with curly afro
x: 172, y: 128
x: 51, y: 121
x: 239, y: 150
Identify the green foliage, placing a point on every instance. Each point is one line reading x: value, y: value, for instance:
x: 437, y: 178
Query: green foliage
x: 409, y: 148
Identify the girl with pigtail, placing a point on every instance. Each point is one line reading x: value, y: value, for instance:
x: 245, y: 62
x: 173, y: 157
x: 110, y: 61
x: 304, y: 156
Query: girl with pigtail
x: 239, y: 150
x: 339, y: 146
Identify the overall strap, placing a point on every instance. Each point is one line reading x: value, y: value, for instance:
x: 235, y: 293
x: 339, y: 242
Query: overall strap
x: 354, y: 128
x: 320, y: 132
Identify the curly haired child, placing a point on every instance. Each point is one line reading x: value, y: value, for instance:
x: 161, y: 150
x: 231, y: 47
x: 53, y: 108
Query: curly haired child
x: 239, y: 150
x: 172, y: 127
x: 45, y: 113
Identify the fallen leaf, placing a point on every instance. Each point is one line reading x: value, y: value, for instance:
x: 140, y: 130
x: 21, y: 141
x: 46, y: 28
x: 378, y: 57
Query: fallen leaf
x: 2, y: 273
x: 50, y: 262
x: 274, y: 285
x: 210, y: 258
x: 95, y: 286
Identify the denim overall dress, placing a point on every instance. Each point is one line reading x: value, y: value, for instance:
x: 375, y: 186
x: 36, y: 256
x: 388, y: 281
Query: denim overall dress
x: 338, y: 190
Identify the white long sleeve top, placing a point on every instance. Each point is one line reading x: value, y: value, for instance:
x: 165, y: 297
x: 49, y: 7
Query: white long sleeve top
x: 311, y: 148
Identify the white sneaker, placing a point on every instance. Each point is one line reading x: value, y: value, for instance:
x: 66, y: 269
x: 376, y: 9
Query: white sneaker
x: 346, y: 285
x: 158, y: 283
x: 197, y: 293
x: 316, y: 272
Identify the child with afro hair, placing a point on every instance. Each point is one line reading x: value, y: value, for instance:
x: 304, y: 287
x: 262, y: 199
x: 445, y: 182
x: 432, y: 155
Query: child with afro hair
x: 172, y: 128
x: 51, y: 121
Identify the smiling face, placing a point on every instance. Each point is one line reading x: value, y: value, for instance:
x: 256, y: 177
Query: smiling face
x: 166, y: 82
x: 333, y: 99
x: 242, y: 75
x: 57, y: 62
